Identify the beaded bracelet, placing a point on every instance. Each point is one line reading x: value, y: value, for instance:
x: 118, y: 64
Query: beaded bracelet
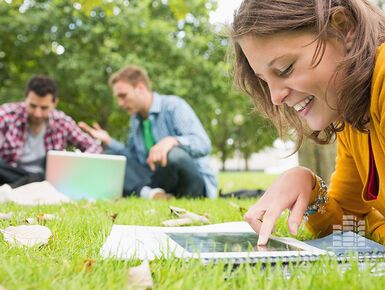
x: 318, y: 206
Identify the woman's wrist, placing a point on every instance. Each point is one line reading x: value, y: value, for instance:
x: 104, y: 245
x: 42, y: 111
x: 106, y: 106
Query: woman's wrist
x: 318, y: 204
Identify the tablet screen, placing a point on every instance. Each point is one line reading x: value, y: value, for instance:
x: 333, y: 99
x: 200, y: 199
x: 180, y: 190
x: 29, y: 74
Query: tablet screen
x: 226, y: 242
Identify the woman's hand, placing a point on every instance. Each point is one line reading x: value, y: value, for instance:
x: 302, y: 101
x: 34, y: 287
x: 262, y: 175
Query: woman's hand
x: 291, y: 190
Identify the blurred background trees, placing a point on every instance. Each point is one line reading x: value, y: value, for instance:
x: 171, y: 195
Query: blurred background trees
x: 80, y: 43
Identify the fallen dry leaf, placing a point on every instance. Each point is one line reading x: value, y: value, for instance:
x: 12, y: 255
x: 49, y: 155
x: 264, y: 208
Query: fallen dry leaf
x: 177, y: 210
x: 27, y: 235
x: 113, y: 216
x: 140, y: 277
x: 41, y: 217
x: 238, y: 207
x: 5, y: 216
x: 195, y: 217
x: 178, y: 222
x: 89, y: 265
x: 184, y: 214
x: 30, y: 221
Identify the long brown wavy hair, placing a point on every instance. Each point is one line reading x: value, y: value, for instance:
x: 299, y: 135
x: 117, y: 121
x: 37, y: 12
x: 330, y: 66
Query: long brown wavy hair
x: 268, y: 17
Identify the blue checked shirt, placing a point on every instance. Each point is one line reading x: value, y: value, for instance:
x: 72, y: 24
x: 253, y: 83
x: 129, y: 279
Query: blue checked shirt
x: 172, y: 116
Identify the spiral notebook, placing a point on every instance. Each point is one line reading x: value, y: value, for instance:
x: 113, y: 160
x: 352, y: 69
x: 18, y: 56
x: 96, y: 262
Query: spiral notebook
x: 233, y: 242
x: 347, y: 243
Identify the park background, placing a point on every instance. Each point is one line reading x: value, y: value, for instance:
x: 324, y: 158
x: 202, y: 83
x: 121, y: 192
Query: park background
x: 80, y: 43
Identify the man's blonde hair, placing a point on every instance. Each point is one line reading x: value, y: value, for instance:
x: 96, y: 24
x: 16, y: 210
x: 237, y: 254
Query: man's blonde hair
x: 131, y: 74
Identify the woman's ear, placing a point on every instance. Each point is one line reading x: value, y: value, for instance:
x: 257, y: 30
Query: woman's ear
x: 342, y: 23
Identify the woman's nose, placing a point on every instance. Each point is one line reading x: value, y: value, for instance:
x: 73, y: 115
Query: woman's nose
x: 278, y: 92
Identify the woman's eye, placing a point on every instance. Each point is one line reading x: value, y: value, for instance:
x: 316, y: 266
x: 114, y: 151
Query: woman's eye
x: 286, y: 71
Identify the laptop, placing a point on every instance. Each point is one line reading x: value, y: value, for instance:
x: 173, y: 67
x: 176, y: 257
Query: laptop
x: 86, y: 175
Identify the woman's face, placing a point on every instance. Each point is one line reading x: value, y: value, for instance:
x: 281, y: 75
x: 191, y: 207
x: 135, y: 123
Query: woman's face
x: 284, y: 62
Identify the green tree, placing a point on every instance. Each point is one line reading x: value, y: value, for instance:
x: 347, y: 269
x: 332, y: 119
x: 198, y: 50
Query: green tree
x: 80, y: 43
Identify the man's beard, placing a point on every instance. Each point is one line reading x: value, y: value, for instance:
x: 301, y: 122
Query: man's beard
x: 36, y: 121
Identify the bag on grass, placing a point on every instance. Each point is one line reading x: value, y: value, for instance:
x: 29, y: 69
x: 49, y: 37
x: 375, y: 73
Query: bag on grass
x: 243, y: 193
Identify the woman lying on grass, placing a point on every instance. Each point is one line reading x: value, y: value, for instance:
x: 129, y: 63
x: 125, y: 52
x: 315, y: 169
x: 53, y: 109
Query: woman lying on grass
x: 318, y: 66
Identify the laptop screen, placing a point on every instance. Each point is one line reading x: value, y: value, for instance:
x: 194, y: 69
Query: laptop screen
x: 86, y: 175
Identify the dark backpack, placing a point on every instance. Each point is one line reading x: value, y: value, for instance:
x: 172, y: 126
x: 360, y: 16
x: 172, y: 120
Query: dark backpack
x: 243, y: 193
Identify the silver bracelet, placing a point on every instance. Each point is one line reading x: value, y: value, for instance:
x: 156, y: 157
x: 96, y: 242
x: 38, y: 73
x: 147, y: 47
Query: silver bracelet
x: 319, y: 205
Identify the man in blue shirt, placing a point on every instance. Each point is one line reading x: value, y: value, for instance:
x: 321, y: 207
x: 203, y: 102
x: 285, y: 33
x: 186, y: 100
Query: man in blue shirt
x: 167, y: 148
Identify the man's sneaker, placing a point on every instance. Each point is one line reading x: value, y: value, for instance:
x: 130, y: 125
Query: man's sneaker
x: 158, y: 193
x: 154, y: 193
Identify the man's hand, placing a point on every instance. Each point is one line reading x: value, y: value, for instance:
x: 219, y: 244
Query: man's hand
x: 158, y: 153
x: 96, y: 132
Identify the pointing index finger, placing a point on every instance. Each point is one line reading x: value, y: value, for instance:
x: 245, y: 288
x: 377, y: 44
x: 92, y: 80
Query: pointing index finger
x: 267, y: 226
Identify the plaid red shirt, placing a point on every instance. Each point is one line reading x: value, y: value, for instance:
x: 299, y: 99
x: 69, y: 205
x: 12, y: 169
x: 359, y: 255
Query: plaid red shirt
x: 61, y: 132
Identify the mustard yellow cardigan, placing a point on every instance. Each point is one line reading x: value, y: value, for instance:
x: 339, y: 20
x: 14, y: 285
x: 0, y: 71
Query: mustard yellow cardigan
x: 348, y: 186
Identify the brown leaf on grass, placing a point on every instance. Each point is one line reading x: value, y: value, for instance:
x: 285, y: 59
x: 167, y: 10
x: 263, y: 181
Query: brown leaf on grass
x: 195, y: 217
x: 42, y: 217
x: 140, y: 277
x: 5, y: 216
x: 178, y: 222
x: 88, y: 265
x: 27, y: 235
x: 184, y: 214
x: 30, y: 221
x: 238, y: 207
x: 177, y: 210
x: 113, y: 216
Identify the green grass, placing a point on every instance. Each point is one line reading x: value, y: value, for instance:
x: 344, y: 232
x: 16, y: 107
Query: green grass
x: 83, y: 227
x: 229, y: 181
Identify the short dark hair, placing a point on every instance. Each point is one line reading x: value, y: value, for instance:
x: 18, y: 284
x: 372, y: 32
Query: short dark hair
x: 42, y: 86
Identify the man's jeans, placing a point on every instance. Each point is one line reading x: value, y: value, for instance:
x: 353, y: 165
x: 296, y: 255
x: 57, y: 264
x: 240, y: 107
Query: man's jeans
x: 15, y: 176
x: 180, y: 177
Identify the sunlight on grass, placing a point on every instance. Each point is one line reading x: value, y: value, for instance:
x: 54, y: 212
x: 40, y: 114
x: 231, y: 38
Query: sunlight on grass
x: 230, y: 181
x: 81, y: 228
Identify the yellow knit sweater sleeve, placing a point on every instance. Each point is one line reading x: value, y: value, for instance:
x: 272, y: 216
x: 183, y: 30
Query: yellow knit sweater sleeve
x: 344, y: 194
x: 347, y: 190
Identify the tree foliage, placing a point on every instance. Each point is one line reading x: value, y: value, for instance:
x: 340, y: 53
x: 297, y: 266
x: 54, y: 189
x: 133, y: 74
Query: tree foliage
x: 80, y: 43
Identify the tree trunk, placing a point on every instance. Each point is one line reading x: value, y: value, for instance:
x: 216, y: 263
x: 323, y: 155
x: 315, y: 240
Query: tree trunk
x: 223, y: 159
x: 319, y: 158
x: 246, y: 159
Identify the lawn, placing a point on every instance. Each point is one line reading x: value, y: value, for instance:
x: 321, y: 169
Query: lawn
x: 71, y: 260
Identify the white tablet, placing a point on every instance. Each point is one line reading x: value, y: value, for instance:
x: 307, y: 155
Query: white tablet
x: 235, y: 242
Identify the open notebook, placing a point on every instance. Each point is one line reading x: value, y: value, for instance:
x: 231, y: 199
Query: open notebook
x: 233, y: 242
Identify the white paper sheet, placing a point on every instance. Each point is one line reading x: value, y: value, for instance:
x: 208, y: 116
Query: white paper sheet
x: 34, y: 194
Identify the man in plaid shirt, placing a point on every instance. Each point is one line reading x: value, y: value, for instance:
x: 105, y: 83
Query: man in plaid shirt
x: 30, y: 128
